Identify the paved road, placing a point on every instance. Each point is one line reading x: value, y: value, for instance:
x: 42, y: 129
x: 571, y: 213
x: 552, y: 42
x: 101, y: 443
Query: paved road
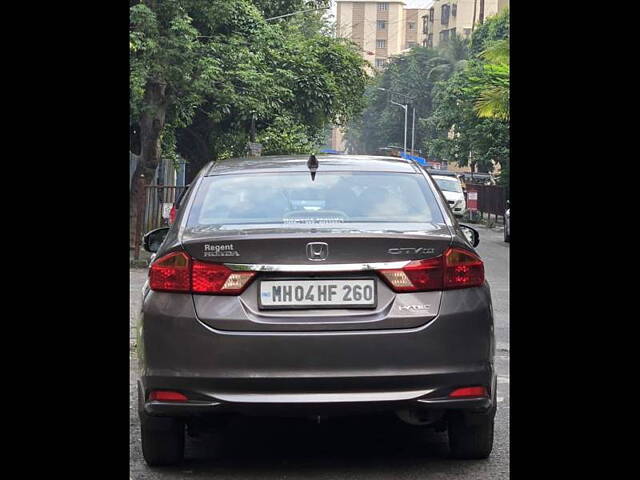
x: 366, y: 447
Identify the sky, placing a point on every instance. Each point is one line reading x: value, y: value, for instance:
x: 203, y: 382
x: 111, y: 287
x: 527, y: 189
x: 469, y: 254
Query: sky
x: 410, y: 4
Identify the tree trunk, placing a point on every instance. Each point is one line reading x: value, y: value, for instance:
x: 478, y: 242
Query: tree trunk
x: 481, y: 19
x: 151, y: 125
x: 475, y: 8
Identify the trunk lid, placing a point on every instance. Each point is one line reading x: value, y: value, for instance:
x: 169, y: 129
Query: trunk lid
x: 337, y: 255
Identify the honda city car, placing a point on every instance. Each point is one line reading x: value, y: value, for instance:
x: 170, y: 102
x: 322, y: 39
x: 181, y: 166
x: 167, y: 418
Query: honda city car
x: 315, y: 286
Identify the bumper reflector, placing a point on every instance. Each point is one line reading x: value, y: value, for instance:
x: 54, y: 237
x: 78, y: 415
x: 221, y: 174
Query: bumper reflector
x: 166, y: 396
x: 469, y: 392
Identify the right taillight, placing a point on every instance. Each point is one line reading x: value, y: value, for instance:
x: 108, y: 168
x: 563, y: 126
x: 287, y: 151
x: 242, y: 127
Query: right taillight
x: 462, y: 269
x: 178, y: 272
x: 456, y: 268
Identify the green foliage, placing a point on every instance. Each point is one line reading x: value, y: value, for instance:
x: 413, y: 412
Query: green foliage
x: 285, y: 136
x: 382, y: 123
x: 471, y: 108
x: 223, y: 64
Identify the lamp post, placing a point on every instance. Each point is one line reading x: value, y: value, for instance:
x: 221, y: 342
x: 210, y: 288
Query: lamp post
x: 405, y: 106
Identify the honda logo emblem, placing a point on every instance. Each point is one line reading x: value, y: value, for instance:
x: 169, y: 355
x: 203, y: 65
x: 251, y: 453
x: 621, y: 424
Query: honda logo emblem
x: 317, y: 251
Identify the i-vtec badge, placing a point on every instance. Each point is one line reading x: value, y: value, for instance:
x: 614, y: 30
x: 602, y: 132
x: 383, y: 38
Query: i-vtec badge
x: 220, y: 250
x: 411, y: 251
x: 414, y: 308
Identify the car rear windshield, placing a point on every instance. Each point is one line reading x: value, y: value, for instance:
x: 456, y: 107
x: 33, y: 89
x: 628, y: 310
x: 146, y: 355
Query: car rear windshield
x: 447, y: 185
x: 293, y: 198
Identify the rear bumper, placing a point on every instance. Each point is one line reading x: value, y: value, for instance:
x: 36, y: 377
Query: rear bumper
x: 325, y: 403
x: 316, y: 372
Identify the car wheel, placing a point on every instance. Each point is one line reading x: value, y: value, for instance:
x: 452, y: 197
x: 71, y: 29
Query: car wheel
x: 471, y: 440
x: 162, y: 439
x: 164, y: 445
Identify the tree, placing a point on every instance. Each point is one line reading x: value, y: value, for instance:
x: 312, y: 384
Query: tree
x: 470, y: 112
x: 201, y: 70
x: 493, y: 100
x: 382, y: 123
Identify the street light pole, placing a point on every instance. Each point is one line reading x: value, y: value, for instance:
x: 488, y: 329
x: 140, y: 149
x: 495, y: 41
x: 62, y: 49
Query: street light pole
x: 413, y: 130
x: 406, y: 109
x: 296, y: 13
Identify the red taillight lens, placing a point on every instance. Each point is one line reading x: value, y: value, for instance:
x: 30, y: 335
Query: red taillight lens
x: 463, y: 269
x: 177, y: 272
x: 171, y: 273
x: 457, y: 268
x: 216, y: 278
x: 418, y: 276
x: 172, y: 215
x: 469, y: 392
x: 167, y: 396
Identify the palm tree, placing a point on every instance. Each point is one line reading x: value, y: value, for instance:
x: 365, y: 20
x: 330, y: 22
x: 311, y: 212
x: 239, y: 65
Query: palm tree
x: 493, y: 101
x: 452, y: 57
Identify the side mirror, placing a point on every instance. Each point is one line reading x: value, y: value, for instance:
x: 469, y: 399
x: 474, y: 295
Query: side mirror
x: 472, y: 235
x: 153, y: 239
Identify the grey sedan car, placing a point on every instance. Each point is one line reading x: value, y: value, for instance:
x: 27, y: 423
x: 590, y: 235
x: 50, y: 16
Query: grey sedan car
x: 308, y: 286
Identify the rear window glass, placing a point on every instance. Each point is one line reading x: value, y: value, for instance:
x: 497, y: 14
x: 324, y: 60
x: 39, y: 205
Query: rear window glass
x: 449, y: 185
x: 292, y: 198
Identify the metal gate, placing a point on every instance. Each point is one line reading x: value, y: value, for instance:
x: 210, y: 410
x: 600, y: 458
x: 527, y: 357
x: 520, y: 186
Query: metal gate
x: 159, y: 198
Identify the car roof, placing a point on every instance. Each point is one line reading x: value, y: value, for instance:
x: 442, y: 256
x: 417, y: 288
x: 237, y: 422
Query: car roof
x: 298, y: 163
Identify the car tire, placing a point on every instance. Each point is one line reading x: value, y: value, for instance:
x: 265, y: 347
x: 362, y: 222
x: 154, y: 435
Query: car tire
x: 162, y: 438
x: 471, y: 440
x: 163, y: 446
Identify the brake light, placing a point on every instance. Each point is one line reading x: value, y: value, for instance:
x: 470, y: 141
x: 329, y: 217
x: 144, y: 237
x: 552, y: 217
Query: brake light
x: 177, y: 272
x: 171, y: 273
x: 469, y: 392
x: 167, y: 396
x: 172, y: 215
x: 216, y: 278
x: 457, y: 268
x: 463, y: 269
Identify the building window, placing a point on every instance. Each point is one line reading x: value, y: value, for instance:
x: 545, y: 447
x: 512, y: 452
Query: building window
x: 383, y: 7
x: 425, y: 25
x: 431, y: 15
x: 452, y: 32
x: 454, y: 9
x: 381, y: 62
x: 444, y: 15
x: 444, y: 35
x: 430, y: 40
x: 382, y: 24
x: 381, y: 44
x: 411, y: 25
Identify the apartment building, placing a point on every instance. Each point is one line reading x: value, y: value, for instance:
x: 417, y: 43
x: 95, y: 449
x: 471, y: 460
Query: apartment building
x: 413, y: 35
x: 456, y: 17
x: 380, y: 29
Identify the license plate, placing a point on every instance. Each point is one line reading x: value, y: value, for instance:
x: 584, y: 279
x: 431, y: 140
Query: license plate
x: 359, y: 293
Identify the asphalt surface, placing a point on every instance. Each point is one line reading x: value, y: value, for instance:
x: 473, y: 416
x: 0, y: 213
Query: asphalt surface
x: 352, y: 448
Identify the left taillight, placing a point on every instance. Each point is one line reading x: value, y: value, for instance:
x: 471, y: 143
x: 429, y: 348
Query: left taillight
x: 218, y: 279
x: 177, y: 272
x: 171, y: 273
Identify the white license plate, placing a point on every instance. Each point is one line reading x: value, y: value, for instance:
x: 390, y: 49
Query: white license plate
x: 359, y: 293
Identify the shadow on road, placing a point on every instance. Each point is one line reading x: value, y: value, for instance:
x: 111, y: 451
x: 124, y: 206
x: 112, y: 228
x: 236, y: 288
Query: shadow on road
x: 260, y: 446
